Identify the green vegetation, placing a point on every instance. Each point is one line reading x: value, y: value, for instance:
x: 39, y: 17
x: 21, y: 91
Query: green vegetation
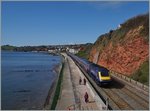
x: 82, y: 54
x: 58, y: 88
x: 140, y: 20
x: 133, y: 23
x: 114, y: 37
x: 39, y: 48
x: 142, y: 74
x: 8, y: 47
x: 85, y: 51
x: 23, y: 48
x: 117, y: 36
x: 103, y: 41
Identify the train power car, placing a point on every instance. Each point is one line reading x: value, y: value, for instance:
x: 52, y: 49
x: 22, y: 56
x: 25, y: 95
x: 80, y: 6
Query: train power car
x: 99, y: 74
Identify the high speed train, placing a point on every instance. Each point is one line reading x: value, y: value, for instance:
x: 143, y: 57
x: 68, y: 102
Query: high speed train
x: 99, y: 74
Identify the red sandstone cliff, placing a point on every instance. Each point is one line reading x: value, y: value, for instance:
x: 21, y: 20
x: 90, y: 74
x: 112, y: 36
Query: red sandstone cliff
x: 125, y: 49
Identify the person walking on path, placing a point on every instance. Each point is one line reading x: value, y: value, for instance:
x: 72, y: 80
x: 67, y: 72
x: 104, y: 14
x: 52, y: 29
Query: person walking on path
x: 80, y: 81
x: 84, y: 81
x: 86, y: 97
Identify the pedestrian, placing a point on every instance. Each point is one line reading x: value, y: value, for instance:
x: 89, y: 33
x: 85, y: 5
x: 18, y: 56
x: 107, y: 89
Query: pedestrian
x: 84, y: 81
x: 80, y: 81
x: 86, y: 97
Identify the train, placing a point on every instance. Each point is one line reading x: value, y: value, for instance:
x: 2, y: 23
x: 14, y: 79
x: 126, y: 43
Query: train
x: 99, y: 74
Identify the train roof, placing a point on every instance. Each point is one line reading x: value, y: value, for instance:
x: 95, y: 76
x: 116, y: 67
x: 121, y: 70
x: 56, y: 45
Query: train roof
x: 85, y: 60
x: 101, y: 67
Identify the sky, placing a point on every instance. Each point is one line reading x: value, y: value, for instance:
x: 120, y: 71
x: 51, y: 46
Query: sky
x: 58, y: 23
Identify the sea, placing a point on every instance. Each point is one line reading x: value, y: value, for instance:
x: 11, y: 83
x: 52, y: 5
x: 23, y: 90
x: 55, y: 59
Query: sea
x: 26, y: 78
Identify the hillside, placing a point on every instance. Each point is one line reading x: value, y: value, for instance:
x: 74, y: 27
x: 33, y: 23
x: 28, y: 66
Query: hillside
x: 125, y: 49
x: 85, y: 50
x: 8, y: 47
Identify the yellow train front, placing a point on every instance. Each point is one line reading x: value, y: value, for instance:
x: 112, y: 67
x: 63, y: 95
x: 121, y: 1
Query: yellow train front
x: 100, y: 74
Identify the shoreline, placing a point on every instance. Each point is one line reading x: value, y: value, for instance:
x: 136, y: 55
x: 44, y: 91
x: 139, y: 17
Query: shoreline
x: 50, y: 97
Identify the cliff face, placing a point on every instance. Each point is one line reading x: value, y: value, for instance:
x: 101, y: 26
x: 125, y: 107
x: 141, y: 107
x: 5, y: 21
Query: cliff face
x: 125, y: 49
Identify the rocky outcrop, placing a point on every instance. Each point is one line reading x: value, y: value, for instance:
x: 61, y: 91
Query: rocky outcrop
x: 125, y: 49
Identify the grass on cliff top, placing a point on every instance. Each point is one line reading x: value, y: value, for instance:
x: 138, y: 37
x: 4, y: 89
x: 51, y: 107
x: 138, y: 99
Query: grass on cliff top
x: 117, y: 36
x: 142, y: 74
x: 138, y: 21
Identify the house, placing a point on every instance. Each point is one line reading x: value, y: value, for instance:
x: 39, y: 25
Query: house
x: 74, y: 51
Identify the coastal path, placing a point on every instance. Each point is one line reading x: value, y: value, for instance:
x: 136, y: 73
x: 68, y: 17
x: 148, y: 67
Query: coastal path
x: 72, y: 93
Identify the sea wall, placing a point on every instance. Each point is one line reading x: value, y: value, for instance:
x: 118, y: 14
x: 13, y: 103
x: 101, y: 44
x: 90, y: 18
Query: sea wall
x: 50, y: 100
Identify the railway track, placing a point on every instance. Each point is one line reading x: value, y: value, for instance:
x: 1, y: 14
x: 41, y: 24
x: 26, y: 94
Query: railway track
x: 121, y: 96
x: 117, y: 99
x: 131, y: 96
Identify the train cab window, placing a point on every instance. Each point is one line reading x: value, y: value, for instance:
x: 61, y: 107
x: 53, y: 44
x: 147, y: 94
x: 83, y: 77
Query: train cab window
x: 97, y: 68
x: 105, y: 72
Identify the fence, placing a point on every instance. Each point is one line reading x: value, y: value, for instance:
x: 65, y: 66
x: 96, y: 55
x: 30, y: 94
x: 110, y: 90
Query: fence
x: 138, y: 84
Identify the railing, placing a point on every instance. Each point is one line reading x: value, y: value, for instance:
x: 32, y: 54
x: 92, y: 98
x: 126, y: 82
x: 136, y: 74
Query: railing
x: 140, y: 85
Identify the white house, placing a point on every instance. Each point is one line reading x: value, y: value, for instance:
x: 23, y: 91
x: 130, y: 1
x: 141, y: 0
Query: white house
x: 74, y: 51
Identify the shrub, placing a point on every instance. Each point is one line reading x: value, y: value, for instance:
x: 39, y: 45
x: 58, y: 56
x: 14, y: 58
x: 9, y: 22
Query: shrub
x: 142, y: 74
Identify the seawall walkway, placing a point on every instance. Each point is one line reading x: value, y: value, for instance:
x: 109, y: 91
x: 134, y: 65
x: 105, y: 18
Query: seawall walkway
x: 72, y: 93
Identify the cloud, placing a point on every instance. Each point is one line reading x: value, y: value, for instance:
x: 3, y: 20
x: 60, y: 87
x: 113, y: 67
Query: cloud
x: 101, y: 5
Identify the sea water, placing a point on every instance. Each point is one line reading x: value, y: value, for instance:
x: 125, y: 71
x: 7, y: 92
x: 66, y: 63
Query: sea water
x: 26, y: 78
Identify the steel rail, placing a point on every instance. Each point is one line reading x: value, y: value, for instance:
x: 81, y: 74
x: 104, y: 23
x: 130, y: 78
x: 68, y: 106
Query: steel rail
x: 119, y: 103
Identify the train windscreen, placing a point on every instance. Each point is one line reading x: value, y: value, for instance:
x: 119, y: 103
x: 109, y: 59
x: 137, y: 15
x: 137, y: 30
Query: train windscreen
x: 97, y: 68
x: 104, y: 72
